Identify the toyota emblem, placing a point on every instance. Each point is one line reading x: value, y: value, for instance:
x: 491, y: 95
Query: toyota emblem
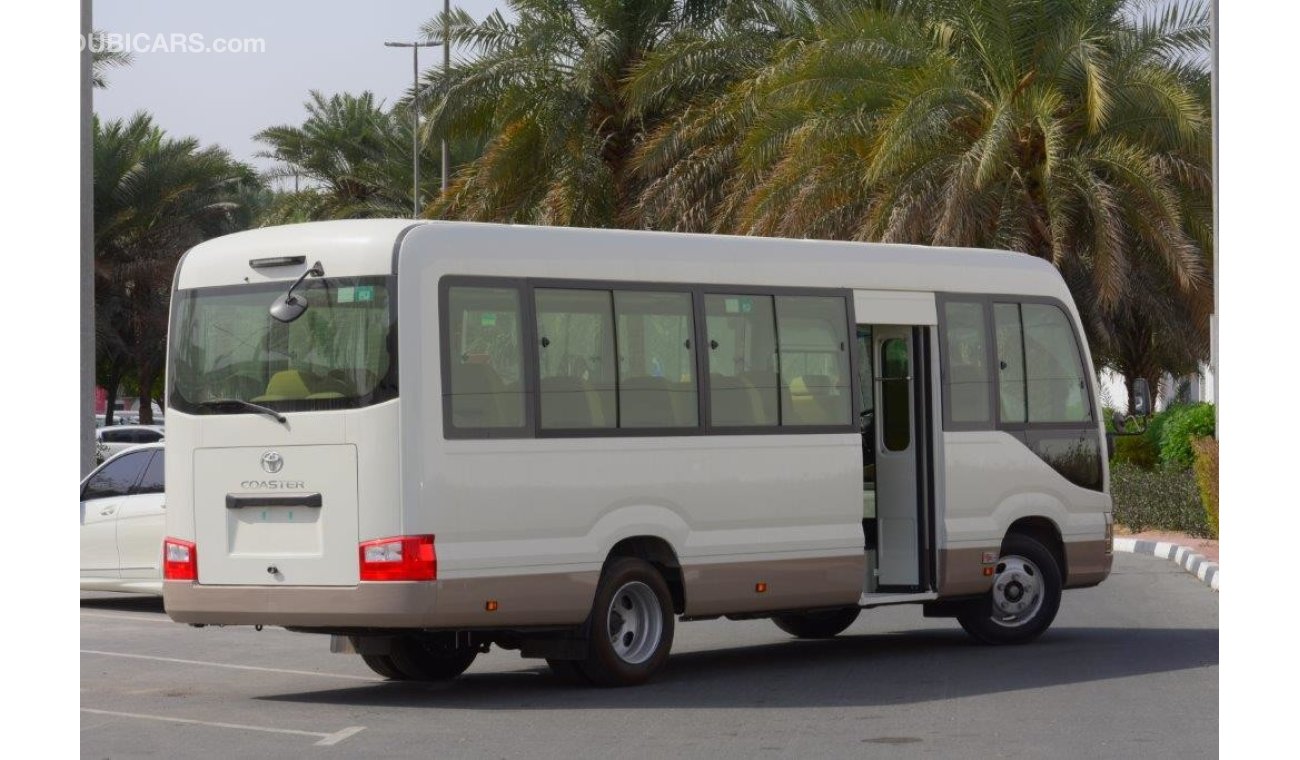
x: 272, y: 462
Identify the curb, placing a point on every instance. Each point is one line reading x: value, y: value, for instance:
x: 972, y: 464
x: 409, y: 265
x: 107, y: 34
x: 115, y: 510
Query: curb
x: 1196, y: 564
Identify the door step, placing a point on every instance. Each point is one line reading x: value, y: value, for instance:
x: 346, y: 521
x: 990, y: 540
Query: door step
x: 876, y: 600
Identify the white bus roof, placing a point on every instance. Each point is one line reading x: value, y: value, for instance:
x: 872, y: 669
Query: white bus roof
x: 367, y: 247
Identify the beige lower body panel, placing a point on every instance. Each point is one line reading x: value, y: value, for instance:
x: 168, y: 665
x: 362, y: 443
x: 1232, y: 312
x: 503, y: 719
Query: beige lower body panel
x: 1088, y: 562
x: 961, y: 571
x: 732, y: 587
x: 521, y: 600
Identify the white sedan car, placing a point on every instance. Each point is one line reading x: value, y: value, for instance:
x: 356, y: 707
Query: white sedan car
x: 122, y: 508
x: 117, y: 438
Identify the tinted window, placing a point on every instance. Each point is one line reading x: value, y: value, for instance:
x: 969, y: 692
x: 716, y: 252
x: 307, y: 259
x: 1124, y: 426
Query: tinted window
x: 895, y: 405
x: 152, y: 480
x: 1011, y: 362
x: 337, y: 355
x: 486, y: 357
x: 113, y: 435
x: 1057, y: 391
x: 742, y: 360
x: 965, y: 351
x: 117, y: 477
x: 656, y: 360
x: 575, y: 335
x: 813, y: 346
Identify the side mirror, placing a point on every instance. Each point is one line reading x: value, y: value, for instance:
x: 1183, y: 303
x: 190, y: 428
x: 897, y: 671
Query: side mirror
x: 1141, y: 398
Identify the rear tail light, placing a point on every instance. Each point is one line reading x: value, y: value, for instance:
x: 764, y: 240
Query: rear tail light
x: 180, y: 560
x: 400, y: 558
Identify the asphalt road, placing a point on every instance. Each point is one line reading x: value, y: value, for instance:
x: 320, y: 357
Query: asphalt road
x: 1129, y: 669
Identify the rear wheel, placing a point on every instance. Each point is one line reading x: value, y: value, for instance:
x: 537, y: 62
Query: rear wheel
x: 1025, y: 597
x: 631, y: 625
x: 817, y: 625
x: 383, y: 665
x: 425, y: 658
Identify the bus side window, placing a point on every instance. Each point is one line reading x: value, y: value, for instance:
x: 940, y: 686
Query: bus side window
x: 813, y: 333
x: 1011, y: 362
x: 575, y: 333
x: 967, y: 377
x: 486, y: 358
x: 742, y: 360
x: 656, y: 360
x: 1057, y: 389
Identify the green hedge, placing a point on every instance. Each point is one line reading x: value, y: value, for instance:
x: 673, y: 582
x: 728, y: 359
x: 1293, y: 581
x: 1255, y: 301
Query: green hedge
x: 1137, y: 450
x: 1184, y: 424
x: 1162, y: 499
x: 1167, y: 440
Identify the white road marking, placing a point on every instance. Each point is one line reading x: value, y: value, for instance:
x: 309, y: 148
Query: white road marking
x: 339, y: 736
x: 325, y: 740
x: 233, y: 667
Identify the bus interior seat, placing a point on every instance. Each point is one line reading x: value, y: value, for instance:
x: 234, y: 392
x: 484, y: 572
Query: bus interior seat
x: 734, y: 401
x: 812, y: 402
x: 285, y: 385
x: 765, y: 395
x: 653, y: 402
x: 479, y: 400
x: 569, y: 402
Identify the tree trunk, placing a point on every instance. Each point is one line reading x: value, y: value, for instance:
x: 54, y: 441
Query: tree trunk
x: 146, y: 376
x: 110, y: 398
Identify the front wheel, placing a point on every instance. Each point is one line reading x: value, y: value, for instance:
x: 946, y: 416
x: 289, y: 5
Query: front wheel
x: 631, y: 625
x: 1025, y: 597
x: 817, y: 625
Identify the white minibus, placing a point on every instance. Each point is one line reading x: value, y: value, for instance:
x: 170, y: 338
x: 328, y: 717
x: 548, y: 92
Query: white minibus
x: 428, y: 438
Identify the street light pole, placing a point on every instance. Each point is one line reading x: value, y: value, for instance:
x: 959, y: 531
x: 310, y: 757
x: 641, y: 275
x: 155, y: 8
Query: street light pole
x: 446, y: 66
x: 415, y: 111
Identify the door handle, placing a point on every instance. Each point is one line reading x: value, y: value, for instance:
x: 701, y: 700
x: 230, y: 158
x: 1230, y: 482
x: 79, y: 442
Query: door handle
x: 106, y: 511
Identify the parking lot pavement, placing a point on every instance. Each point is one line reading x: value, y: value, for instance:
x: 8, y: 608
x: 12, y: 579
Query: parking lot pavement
x: 1129, y: 668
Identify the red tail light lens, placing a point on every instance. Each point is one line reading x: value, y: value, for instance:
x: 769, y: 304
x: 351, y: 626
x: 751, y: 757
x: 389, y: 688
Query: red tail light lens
x: 180, y: 560
x: 401, y: 558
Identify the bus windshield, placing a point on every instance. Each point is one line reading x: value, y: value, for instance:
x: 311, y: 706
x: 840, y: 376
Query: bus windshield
x: 340, y: 354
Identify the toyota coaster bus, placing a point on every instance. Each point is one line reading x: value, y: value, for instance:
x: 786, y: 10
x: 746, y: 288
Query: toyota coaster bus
x: 428, y: 438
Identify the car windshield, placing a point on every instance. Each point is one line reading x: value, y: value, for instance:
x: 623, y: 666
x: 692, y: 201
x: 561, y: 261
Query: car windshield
x: 340, y: 354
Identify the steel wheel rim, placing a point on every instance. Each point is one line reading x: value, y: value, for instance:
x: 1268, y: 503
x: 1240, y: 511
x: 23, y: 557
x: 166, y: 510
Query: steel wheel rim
x: 1018, y: 591
x: 635, y: 622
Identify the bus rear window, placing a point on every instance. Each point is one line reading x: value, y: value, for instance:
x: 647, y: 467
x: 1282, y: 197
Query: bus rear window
x: 341, y: 353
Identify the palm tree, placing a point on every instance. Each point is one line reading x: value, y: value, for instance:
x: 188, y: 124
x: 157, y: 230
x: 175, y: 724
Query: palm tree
x: 102, y: 58
x: 354, y: 155
x: 155, y: 197
x: 547, y: 94
x: 1073, y: 130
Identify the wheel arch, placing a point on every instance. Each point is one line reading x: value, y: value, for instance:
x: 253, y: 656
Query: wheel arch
x: 1046, y: 532
x: 659, y: 553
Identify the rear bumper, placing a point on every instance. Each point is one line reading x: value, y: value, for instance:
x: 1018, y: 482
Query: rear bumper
x: 522, y: 600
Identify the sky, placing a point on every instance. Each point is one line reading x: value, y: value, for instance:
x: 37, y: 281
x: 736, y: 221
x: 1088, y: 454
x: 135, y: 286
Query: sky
x: 225, y: 98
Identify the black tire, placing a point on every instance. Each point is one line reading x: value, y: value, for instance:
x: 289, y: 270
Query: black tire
x: 568, y: 672
x: 383, y: 665
x: 817, y: 625
x: 981, y: 621
x: 626, y: 578
x: 426, y: 658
